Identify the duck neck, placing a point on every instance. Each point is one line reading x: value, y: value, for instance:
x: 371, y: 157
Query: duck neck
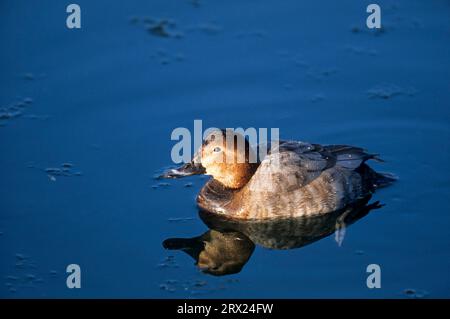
x: 241, y: 174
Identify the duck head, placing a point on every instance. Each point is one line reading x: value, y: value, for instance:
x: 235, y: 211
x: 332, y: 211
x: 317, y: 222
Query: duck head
x: 225, y: 155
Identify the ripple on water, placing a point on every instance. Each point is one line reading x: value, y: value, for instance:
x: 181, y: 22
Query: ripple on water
x: 25, y: 274
x: 195, y: 286
x: 158, y: 27
x: 388, y: 91
x: 415, y: 293
x: 63, y: 170
x: 168, y: 262
x: 18, y: 109
x: 180, y: 219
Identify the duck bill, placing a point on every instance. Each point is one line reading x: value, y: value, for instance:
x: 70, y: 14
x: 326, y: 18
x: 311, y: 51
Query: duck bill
x: 191, y: 246
x: 187, y: 169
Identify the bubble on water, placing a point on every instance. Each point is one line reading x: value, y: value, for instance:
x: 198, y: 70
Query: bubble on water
x: 163, y: 57
x: 168, y: 262
x: 12, y: 278
x: 15, y: 110
x: 164, y: 28
x: 37, y: 117
x: 200, y: 283
x: 373, y: 32
x: 29, y: 76
x: 251, y: 34
x: 164, y: 61
x: 163, y: 287
x: 164, y: 184
x: 180, y: 219
x: 28, y: 100
x: 195, y: 3
x: 415, y: 293
x: 208, y: 28
x: 355, y: 29
x: 65, y: 169
x: 232, y: 280
x: 322, y: 73
x: 387, y: 91
x: 20, y: 256
x: 317, y: 98
x: 179, y: 57
x: 52, y: 170
x: 361, y: 50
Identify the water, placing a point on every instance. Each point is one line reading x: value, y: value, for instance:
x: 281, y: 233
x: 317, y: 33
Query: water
x: 106, y: 98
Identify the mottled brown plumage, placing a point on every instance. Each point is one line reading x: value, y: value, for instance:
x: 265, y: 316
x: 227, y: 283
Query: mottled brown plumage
x: 294, y: 179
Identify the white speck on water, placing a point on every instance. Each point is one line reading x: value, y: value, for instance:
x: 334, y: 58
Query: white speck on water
x: 180, y: 219
x: 30, y: 277
x: 29, y: 76
x: 164, y: 184
x: 20, y: 256
x: 13, y: 278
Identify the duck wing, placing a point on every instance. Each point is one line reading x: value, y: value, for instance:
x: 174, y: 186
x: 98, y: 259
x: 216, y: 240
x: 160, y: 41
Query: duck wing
x: 350, y: 156
x: 294, y: 164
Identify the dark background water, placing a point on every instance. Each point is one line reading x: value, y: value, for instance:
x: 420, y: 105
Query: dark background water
x: 107, y: 97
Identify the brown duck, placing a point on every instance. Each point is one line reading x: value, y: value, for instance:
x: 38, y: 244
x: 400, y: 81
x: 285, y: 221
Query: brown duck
x: 294, y: 179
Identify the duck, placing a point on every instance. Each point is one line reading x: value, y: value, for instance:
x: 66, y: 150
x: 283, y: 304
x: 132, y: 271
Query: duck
x: 292, y: 179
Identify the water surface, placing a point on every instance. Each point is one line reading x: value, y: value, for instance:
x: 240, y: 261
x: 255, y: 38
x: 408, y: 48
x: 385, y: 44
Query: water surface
x: 97, y: 106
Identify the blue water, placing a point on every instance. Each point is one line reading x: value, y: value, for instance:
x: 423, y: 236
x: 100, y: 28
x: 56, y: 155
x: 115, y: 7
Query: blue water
x: 106, y: 98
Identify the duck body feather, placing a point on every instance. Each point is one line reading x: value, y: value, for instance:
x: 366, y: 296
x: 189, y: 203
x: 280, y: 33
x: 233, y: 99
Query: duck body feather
x: 297, y: 179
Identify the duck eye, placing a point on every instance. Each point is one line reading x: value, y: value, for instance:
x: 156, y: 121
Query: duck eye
x: 217, y: 149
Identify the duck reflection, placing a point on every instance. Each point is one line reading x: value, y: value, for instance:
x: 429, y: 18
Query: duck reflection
x: 228, y: 244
